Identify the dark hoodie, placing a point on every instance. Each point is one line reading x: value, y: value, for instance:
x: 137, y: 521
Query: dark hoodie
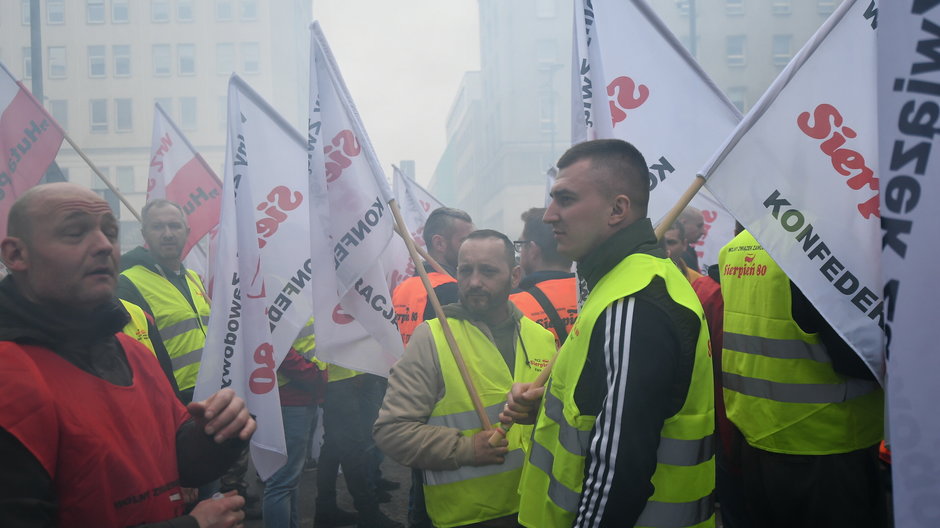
x: 27, y: 493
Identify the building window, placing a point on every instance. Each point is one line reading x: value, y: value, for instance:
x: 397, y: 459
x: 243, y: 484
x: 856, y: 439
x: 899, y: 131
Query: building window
x: 184, y: 10
x: 249, y: 9
x: 125, y: 178
x: 781, y: 7
x: 166, y: 103
x: 734, y: 7
x: 225, y: 58
x: 683, y: 6
x: 187, y: 58
x: 224, y: 10
x: 124, y: 115
x: 251, y: 57
x: 94, y: 11
x: 120, y: 12
x: 159, y: 11
x: 59, y: 108
x: 781, y: 49
x: 735, y: 50
x: 826, y: 7
x: 24, y: 12
x: 161, y: 60
x: 97, y: 65
x: 122, y: 60
x: 738, y: 97
x: 55, y: 12
x: 188, y: 113
x: 58, y: 63
x: 545, y: 8
x: 107, y: 194
x: 99, y: 115
x: 27, y: 62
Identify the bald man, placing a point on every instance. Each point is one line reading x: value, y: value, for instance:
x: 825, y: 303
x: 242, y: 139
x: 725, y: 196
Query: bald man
x: 91, y: 433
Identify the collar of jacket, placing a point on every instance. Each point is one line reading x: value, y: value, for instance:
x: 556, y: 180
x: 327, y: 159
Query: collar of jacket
x: 23, y: 321
x: 637, y: 237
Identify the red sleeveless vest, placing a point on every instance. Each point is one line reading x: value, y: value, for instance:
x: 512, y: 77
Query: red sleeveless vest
x: 110, y: 450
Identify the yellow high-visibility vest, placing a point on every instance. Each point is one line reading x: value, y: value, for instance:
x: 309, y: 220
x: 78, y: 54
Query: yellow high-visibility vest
x: 473, y: 494
x: 183, y: 330
x: 137, y: 327
x: 684, y: 479
x: 779, y: 385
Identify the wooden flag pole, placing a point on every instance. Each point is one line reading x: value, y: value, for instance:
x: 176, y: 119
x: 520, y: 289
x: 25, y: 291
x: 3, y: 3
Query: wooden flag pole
x: 677, y: 209
x: 539, y: 381
x: 102, y: 177
x: 424, y: 254
x: 402, y: 230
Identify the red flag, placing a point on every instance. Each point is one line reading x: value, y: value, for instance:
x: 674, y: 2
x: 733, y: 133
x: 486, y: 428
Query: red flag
x: 29, y: 141
x: 179, y: 174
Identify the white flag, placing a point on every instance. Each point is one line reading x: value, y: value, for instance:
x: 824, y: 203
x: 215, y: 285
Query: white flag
x: 263, y: 272
x: 909, y: 109
x: 799, y: 173
x: 351, y: 226
x: 179, y: 174
x: 416, y: 204
x: 635, y: 82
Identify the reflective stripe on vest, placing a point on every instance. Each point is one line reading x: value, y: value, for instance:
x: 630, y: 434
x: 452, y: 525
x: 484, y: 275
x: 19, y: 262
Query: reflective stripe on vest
x: 473, y: 494
x: 780, y: 388
x: 182, y: 329
x: 684, y: 477
x: 410, y: 300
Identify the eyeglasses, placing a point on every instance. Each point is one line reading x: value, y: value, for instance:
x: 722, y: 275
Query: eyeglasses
x: 519, y: 244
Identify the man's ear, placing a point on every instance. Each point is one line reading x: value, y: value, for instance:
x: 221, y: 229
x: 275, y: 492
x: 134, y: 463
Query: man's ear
x: 620, y: 210
x: 515, y: 276
x: 15, y: 254
x: 438, y: 244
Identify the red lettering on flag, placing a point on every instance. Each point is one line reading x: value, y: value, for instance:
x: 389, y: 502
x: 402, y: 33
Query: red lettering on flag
x: 199, y: 193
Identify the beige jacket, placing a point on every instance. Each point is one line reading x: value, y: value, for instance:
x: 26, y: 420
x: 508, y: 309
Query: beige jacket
x: 415, y: 385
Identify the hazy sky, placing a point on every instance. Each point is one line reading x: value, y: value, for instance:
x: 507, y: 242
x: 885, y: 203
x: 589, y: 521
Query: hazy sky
x: 403, y: 63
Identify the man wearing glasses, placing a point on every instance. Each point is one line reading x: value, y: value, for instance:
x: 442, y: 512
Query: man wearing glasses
x: 548, y: 292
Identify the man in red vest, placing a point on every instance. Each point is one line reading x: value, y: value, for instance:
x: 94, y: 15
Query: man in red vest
x: 548, y: 293
x: 91, y: 432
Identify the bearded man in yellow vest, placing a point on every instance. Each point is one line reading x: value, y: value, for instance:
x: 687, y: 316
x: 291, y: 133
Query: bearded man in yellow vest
x: 810, y: 410
x: 624, y: 429
x: 155, y: 279
x: 427, y: 420
x: 443, y: 232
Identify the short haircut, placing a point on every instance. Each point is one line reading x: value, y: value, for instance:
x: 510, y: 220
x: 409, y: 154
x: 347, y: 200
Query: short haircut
x: 627, y: 171
x: 508, y: 248
x: 691, y: 213
x: 160, y: 202
x: 677, y: 225
x: 542, y: 235
x: 441, y: 222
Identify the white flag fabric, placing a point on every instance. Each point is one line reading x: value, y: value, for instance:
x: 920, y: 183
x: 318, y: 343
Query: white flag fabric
x: 351, y: 226
x: 416, y: 204
x: 29, y: 140
x: 262, y: 295
x: 636, y: 82
x: 179, y: 174
x: 799, y: 174
x: 909, y: 108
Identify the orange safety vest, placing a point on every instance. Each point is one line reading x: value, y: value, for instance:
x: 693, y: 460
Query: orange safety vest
x: 410, y: 300
x: 561, y: 293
